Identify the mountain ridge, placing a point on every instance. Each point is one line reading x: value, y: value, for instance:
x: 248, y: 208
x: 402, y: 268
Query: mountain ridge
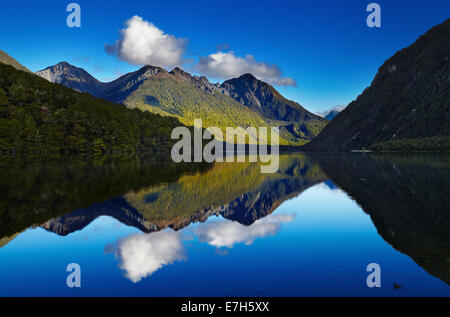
x: 5, y: 58
x: 180, y: 94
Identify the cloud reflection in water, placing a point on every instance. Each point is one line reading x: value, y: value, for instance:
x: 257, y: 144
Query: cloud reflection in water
x: 228, y: 233
x: 143, y: 254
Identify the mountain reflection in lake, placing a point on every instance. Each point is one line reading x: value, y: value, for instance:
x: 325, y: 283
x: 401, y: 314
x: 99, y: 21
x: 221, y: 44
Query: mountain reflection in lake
x: 139, y: 228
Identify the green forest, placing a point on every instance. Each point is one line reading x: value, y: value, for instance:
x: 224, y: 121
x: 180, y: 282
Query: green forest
x: 40, y: 117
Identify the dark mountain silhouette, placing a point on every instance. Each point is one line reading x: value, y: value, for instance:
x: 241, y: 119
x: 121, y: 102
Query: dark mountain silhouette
x: 408, y: 100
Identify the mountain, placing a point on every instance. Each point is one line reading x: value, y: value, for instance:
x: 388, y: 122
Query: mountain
x: 265, y: 100
x: 331, y: 113
x: 37, y: 116
x: 407, y: 101
x: 294, y: 120
x: 177, y: 93
x: 72, y: 77
x: 169, y: 93
x: 8, y: 60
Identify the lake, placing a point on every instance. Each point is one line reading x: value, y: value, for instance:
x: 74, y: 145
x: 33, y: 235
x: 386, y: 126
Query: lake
x: 137, y: 227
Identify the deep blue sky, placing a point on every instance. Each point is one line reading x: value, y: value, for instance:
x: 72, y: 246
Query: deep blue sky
x: 325, y: 46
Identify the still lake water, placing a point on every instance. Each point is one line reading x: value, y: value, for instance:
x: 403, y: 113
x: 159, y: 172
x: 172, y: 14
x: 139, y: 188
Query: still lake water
x: 138, y: 228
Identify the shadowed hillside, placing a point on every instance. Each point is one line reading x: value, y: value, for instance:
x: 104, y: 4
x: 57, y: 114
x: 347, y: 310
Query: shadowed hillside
x: 407, y: 101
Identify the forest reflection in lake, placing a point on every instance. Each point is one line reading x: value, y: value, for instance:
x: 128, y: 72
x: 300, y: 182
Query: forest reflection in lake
x: 142, y: 228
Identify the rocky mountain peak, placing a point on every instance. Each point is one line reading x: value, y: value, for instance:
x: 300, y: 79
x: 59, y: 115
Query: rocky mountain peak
x: 72, y: 77
x: 177, y: 71
x: 266, y: 100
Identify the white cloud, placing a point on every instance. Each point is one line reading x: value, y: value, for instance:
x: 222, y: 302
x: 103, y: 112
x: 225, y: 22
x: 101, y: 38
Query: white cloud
x: 142, y: 43
x: 228, y: 233
x: 226, y: 65
x: 143, y: 254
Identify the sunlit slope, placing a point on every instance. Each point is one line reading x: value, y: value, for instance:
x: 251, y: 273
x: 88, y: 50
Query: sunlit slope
x: 167, y: 96
x: 215, y: 189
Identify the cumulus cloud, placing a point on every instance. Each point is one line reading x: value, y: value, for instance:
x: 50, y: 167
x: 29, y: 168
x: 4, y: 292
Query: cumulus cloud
x: 228, y: 233
x: 226, y: 65
x: 143, y: 254
x: 142, y: 43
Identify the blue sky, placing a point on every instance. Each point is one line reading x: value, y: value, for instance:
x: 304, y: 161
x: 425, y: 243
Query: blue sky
x: 324, y: 46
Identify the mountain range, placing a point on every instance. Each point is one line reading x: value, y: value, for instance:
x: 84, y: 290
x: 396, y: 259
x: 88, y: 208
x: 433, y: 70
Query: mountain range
x: 407, y: 106
x: 239, y: 102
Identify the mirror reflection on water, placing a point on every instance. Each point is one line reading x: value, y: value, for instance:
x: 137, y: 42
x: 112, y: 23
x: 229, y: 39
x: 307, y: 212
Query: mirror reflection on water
x: 141, y: 228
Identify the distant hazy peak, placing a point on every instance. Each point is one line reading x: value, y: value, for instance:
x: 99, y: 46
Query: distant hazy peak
x: 331, y: 113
